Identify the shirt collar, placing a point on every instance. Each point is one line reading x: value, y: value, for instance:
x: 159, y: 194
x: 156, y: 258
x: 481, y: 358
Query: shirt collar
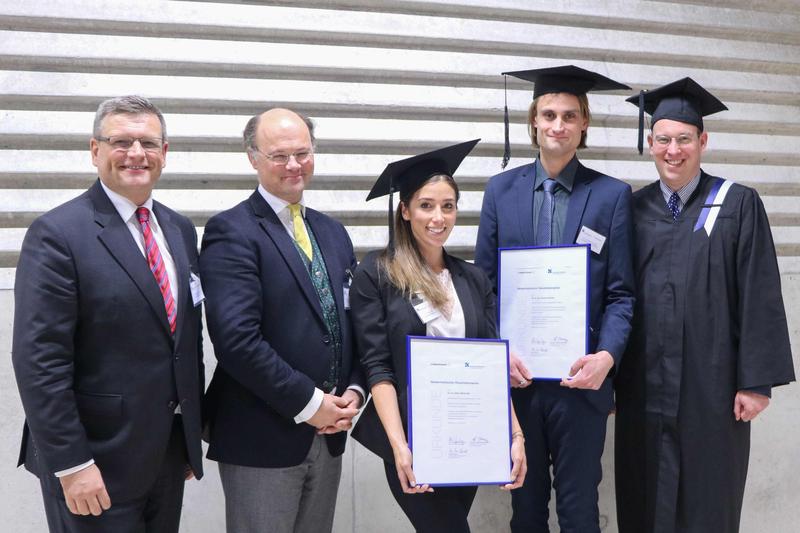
x: 125, y: 207
x: 278, y: 204
x: 684, y: 193
x: 566, y: 178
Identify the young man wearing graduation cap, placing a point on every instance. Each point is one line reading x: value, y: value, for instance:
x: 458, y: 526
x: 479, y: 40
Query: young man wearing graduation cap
x: 709, y: 339
x: 557, y: 200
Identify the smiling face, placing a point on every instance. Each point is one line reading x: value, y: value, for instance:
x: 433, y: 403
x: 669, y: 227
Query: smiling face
x: 558, y: 124
x: 134, y: 172
x: 431, y: 213
x: 676, y: 148
x: 282, y: 132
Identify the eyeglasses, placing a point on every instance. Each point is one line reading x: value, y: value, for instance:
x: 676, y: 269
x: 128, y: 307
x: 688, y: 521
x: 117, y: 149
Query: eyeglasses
x: 301, y: 157
x: 665, y: 140
x: 121, y: 143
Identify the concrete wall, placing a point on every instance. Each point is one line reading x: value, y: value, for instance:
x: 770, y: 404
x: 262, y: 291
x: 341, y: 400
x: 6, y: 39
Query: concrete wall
x: 383, y: 79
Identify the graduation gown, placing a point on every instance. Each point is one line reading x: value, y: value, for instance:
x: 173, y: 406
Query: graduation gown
x: 709, y: 321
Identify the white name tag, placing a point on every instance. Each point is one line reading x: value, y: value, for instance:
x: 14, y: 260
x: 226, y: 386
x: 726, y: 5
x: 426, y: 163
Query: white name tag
x: 592, y: 238
x: 196, y: 289
x: 425, y: 311
x: 346, y: 296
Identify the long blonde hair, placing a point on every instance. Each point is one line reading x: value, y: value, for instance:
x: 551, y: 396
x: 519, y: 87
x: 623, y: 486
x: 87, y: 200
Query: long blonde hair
x: 405, y: 266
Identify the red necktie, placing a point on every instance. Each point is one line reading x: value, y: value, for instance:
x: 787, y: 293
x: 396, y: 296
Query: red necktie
x: 157, y: 265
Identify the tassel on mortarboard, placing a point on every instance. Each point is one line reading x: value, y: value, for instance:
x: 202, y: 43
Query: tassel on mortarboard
x: 507, y: 143
x: 391, y: 218
x: 640, y: 144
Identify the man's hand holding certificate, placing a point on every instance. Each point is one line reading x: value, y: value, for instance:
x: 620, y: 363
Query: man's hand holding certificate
x: 543, y: 299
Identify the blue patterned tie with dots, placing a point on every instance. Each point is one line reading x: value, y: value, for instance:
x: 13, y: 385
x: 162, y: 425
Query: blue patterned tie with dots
x: 673, y: 204
x: 544, y: 229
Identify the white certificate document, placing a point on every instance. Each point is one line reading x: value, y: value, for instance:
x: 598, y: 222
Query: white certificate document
x: 542, y: 298
x: 459, y: 411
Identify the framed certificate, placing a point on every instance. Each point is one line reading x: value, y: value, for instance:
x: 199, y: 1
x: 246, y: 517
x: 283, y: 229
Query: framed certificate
x: 543, y: 299
x: 459, y: 411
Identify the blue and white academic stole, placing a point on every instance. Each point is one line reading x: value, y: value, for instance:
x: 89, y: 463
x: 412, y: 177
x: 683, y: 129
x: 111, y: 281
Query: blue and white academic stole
x: 710, y: 211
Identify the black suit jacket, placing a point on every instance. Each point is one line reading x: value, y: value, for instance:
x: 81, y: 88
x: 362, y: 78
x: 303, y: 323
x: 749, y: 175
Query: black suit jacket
x: 269, y: 335
x: 383, y: 318
x: 98, y: 371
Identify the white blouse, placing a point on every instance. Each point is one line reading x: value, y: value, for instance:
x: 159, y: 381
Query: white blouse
x: 450, y: 322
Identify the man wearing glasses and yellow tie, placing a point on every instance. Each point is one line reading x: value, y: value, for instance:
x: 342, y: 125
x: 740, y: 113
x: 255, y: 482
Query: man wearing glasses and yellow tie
x: 276, y: 276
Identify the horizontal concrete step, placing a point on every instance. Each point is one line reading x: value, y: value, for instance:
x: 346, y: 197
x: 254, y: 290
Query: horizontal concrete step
x: 470, y: 68
x: 56, y: 169
x: 366, y: 238
x: 56, y: 130
x: 333, y: 100
x: 368, y: 28
x: 775, y: 19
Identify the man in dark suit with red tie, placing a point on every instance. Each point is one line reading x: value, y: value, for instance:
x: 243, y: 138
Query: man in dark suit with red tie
x: 107, y: 345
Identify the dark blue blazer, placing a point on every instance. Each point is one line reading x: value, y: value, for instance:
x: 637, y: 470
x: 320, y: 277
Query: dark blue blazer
x: 98, y: 371
x: 597, y: 201
x: 269, y: 334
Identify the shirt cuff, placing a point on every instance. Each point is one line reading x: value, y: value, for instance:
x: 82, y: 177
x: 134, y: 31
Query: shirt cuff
x: 311, y: 407
x: 68, y: 471
x: 360, y: 390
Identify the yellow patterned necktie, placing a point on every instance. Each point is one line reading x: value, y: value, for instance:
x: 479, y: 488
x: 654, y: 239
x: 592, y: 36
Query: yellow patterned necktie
x: 300, y: 233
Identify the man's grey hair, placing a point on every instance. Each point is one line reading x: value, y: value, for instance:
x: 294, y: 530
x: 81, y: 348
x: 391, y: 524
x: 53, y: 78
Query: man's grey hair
x: 250, y: 130
x: 132, y: 104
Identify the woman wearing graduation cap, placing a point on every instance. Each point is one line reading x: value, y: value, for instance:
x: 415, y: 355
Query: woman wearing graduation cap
x: 415, y: 264
x: 557, y: 200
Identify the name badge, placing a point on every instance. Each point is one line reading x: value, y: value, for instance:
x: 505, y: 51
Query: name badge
x: 425, y: 311
x: 196, y: 289
x: 592, y: 238
x: 348, y: 280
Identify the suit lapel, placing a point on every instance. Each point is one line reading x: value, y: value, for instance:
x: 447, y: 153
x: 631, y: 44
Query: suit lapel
x: 523, y: 191
x: 117, y: 239
x: 577, y: 204
x: 275, y: 230
x: 177, y: 249
x: 464, y: 293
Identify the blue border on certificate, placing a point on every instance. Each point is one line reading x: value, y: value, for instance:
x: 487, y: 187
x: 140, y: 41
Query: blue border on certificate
x: 409, y: 338
x: 588, y: 288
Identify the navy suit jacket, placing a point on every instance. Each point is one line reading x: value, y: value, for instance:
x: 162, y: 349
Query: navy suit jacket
x: 98, y: 371
x: 269, y: 334
x: 599, y: 202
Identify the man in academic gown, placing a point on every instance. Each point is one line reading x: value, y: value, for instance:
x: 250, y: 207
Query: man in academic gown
x: 709, y: 338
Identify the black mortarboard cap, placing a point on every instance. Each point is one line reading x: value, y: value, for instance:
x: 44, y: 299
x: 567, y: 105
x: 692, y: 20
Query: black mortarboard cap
x: 564, y: 79
x: 683, y: 100
x: 407, y: 174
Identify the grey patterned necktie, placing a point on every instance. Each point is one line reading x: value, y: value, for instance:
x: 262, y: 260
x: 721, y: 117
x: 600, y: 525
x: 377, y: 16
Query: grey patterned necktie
x: 544, y: 228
